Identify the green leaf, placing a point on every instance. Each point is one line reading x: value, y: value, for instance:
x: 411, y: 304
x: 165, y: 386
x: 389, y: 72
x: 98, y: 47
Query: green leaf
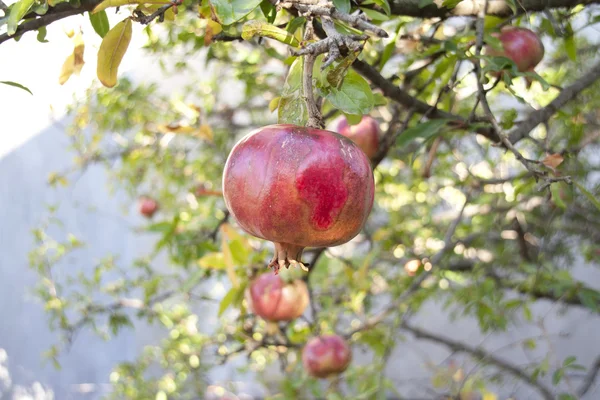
x: 239, y: 252
x: 555, y: 193
x: 292, y: 107
x: 385, y: 5
x: 590, y: 299
x: 570, y: 47
x: 589, y: 195
x: 17, y: 85
x: 100, y: 23
x: 425, y: 130
x: 259, y: 28
x: 230, y: 11
x: 354, y: 96
x: 293, y: 81
x: 569, y: 360
x: 117, y: 3
x: 41, y: 36
x: 269, y: 11
x: 112, y: 49
x: 342, y: 6
x: 213, y: 261
x: 117, y: 321
x: 292, y: 110
x: 425, y: 3
x: 353, y: 119
x: 566, y: 396
x: 335, y: 76
x: 450, y: 4
x: 557, y: 376
x: 294, y: 24
x: 374, y: 15
x: 234, y: 296
x: 18, y: 11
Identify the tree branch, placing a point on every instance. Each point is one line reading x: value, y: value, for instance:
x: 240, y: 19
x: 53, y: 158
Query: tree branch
x: 544, y: 114
x: 403, y: 98
x: 484, y: 356
x: 500, y: 8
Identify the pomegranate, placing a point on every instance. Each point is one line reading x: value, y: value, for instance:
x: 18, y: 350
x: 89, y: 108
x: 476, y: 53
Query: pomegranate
x: 147, y: 206
x: 521, y: 45
x: 326, y: 355
x: 274, y: 300
x: 298, y: 187
x: 365, y: 134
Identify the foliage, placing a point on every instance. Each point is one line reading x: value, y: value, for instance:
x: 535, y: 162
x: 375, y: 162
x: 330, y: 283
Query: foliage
x: 461, y: 219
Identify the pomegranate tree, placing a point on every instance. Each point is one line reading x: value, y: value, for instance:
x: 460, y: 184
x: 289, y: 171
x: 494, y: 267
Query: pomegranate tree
x: 522, y: 46
x: 147, y: 206
x: 326, y: 355
x: 298, y: 187
x: 365, y: 134
x: 273, y: 299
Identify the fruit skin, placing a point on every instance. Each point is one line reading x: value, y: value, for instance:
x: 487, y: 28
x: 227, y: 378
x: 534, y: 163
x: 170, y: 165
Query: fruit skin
x: 521, y: 45
x: 326, y: 355
x: 298, y: 187
x: 365, y: 134
x: 147, y: 206
x: 274, y: 300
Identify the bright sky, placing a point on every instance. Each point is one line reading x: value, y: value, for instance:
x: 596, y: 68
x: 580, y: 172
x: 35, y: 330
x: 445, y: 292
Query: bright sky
x: 37, y: 66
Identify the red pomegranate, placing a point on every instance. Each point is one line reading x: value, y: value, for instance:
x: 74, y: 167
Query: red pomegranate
x: 274, y: 300
x: 365, y: 134
x: 298, y: 187
x: 521, y: 45
x: 326, y: 355
x: 147, y: 206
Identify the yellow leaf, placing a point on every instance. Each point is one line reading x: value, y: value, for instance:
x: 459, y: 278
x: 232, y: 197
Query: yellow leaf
x: 215, y: 27
x: 489, y: 396
x: 116, y: 3
x: 228, y: 257
x: 150, y: 8
x: 212, y: 29
x: 204, y: 132
x: 113, y: 48
x: 274, y: 104
x: 67, y: 69
x: 78, y: 53
x: 212, y: 261
x: 176, y: 128
x: 74, y: 61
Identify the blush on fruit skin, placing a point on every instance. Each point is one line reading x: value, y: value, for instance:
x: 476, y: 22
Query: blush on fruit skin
x: 326, y: 355
x: 298, y: 187
x: 274, y: 300
x: 365, y: 134
x: 521, y: 45
x: 147, y: 206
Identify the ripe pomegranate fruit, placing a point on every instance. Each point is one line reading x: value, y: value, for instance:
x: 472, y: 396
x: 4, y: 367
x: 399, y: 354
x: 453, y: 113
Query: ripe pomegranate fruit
x: 326, y: 355
x: 298, y: 187
x: 365, y: 134
x: 521, y: 45
x: 147, y: 206
x: 274, y: 300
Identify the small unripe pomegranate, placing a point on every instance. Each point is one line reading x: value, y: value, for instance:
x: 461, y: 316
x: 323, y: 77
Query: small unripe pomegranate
x: 274, y: 300
x: 298, y: 187
x: 365, y: 134
x: 326, y: 355
x: 147, y: 206
x: 521, y: 45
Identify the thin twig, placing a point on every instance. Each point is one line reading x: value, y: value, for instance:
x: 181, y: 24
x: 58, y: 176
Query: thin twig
x: 483, y: 355
x: 416, y: 283
x: 590, y: 378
